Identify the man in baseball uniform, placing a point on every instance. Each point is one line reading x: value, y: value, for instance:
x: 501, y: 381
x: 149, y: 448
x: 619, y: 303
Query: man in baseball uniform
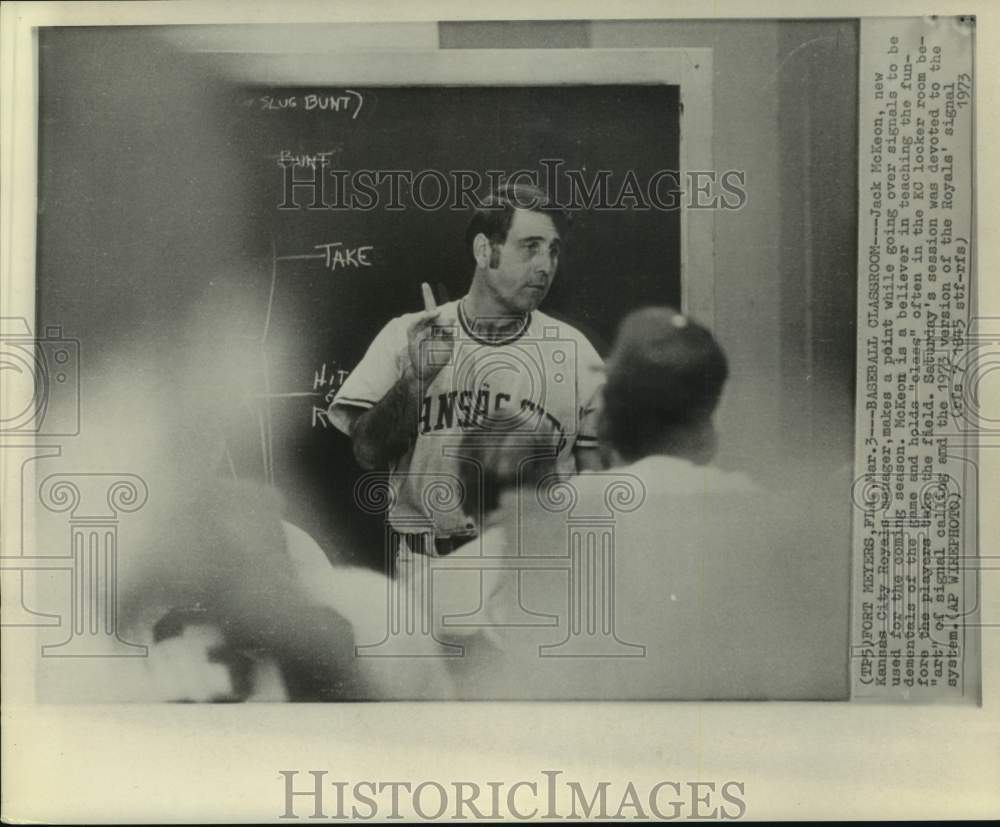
x: 490, y: 361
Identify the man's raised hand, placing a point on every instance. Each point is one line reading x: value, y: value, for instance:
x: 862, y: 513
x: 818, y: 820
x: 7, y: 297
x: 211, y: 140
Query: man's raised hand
x: 430, y: 345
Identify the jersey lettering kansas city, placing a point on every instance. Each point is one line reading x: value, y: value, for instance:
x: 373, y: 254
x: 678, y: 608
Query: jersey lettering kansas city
x: 545, y: 377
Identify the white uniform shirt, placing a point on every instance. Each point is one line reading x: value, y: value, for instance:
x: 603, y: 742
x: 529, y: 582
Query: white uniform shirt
x: 733, y: 592
x: 545, y: 377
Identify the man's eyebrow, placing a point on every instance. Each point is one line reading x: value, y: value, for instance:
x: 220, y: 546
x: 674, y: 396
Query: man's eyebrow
x: 529, y: 238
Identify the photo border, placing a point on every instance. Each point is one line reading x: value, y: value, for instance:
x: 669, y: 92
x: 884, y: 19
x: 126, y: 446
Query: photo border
x: 222, y: 762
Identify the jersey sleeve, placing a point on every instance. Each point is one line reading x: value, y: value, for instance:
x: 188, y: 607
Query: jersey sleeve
x: 373, y: 377
x: 590, y: 380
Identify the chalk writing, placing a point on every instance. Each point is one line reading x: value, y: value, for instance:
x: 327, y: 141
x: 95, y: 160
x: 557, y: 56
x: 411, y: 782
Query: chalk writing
x: 333, y: 377
x: 337, y: 255
x: 310, y: 160
x: 320, y: 417
x: 345, y: 101
x: 327, y: 377
x: 268, y: 102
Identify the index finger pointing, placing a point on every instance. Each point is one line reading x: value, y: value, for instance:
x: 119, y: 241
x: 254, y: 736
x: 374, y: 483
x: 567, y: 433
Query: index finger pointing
x: 425, y: 319
x: 429, y: 303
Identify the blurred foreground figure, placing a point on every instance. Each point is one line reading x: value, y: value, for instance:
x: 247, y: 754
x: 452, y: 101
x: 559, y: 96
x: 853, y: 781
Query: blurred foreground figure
x: 244, y: 606
x: 231, y: 601
x: 473, y: 606
x: 670, y: 578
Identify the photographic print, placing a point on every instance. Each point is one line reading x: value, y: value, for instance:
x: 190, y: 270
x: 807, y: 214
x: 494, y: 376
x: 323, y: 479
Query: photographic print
x: 447, y: 363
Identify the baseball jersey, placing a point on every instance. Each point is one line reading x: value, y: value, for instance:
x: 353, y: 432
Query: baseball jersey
x: 544, y: 377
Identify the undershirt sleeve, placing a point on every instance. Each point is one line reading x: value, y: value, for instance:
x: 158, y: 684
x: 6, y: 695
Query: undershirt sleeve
x: 373, y: 377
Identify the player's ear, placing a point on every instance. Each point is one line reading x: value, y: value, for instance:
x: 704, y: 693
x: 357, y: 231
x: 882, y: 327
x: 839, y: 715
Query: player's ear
x: 481, y: 250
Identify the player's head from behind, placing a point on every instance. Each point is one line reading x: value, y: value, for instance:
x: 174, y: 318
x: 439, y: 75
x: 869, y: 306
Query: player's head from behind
x: 496, y: 465
x: 664, y: 380
x: 516, y: 237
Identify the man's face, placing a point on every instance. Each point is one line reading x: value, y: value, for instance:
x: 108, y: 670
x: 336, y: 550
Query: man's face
x: 527, y: 262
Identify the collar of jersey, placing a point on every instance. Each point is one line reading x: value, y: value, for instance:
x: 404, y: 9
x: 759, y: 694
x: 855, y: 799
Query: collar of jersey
x: 464, y: 321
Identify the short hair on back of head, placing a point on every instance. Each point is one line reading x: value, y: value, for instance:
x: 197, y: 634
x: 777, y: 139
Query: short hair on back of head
x: 665, y: 372
x: 492, y: 461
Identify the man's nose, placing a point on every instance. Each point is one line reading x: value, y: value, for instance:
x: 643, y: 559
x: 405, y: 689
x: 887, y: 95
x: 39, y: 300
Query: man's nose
x: 544, y: 264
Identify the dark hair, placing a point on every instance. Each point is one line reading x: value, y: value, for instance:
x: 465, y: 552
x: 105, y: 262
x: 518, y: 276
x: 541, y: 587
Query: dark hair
x: 492, y: 461
x: 666, y: 374
x: 495, y: 214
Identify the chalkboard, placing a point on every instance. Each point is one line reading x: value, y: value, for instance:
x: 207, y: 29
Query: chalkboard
x: 332, y: 275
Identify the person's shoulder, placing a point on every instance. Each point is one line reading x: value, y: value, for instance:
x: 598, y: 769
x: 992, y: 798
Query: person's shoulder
x: 678, y: 477
x: 540, y: 322
x: 544, y: 326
